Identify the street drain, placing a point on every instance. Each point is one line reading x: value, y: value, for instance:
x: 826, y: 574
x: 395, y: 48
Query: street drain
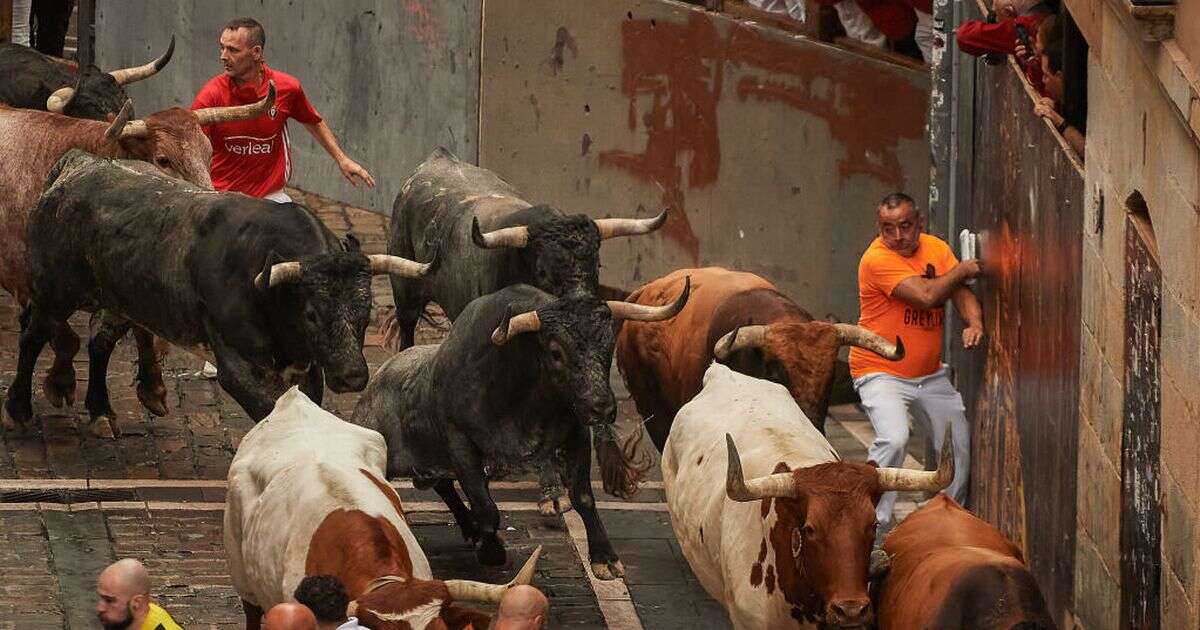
x: 68, y: 495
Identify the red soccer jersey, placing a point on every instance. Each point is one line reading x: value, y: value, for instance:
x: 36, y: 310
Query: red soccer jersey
x: 253, y: 156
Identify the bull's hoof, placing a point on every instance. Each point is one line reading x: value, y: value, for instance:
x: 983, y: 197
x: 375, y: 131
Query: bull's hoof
x: 59, y: 388
x: 553, y: 506
x: 104, y: 426
x: 611, y: 570
x: 16, y: 414
x: 153, y: 396
x: 491, y: 553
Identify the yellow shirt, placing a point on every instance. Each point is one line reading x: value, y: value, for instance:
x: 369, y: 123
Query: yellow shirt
x: 159, y: 619
x: 880, y: 270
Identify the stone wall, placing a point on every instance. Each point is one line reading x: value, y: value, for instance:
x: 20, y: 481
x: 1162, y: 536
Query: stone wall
x: 1137, y: 141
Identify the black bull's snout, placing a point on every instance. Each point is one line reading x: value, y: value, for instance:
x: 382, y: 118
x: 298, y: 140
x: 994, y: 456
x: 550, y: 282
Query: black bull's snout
x: 345, y: 366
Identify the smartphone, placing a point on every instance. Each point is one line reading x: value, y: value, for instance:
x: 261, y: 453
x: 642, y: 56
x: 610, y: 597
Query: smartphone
x: 1023, y: 38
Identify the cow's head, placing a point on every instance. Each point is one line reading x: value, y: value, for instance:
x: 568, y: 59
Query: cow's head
x: 332, y: 298
x: 563, y: 253
x: 98, y: 95
x: 404, y: 603
x: 172, y: 139
x: 798, y: 355
x: 575, y: 342
x: 824, y: 528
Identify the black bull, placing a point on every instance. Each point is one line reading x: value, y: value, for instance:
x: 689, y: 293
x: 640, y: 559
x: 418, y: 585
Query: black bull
x: 33, y: 80
x: 488, y: 238
x: 266, y: 288
x: 516, y: 383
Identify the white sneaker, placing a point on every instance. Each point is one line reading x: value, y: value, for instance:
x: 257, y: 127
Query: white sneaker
x: 209, y: 371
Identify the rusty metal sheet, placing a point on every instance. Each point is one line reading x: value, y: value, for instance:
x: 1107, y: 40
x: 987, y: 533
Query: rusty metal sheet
x: 1027, y: 200
x: 1141, y: 434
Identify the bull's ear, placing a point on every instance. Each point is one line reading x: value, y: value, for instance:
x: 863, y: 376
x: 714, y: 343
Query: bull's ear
x: 351, y: 244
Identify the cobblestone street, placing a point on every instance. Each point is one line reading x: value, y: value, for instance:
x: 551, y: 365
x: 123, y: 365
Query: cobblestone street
x: 71, y: 502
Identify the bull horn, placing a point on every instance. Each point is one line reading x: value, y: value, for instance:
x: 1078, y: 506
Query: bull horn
x: 612, y: 228
x: 398, y: 266
x: 136, y: 129
x: 515, y: 325
x: 738, y: 489
x: 740, y: 338
x: 851, y: 335
x: 352, y: 609
x: 470, y: 590
x: 504, y: 237
x: 213, y: 115
x: 125, y: 76
x: 280, y: 273
x: 117, y: 128
x: 646, y: 313
x: 906, y: 480
x: 57, y: 101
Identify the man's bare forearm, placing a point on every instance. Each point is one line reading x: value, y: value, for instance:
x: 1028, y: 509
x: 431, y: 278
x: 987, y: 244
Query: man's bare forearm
x: 932, y: 292
x: 968, y: 307
x: 324, y: 136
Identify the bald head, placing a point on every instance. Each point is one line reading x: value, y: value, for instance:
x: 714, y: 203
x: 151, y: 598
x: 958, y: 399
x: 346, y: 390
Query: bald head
x: 128, y: 577
x: 523, y: 607
x: 289, y: 616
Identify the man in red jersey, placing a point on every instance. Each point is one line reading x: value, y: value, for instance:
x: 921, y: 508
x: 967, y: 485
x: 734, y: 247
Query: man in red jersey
x: 254, y: 156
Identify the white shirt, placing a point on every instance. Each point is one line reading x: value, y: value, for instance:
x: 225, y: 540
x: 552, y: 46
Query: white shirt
x: 351, y: 624
x: 793, y: 8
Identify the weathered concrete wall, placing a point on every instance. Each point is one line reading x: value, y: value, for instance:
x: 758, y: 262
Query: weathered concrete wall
x: 392, y: 79
x: 1137, y: 142
x: 771, y: 150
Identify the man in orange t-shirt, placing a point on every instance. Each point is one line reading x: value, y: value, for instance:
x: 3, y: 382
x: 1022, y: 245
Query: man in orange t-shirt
x: 904, y: 279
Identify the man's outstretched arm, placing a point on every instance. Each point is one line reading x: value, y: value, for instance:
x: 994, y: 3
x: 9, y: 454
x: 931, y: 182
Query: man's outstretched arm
x: 967, y: 306
x: 350, y: 169
x: 933, y: 292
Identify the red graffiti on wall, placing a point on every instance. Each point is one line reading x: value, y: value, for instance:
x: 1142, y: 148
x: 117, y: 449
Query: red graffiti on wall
x: 675, y: 72
x: 423, y: 26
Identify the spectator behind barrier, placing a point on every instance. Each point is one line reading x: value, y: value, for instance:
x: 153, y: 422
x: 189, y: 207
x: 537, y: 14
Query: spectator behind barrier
x: 123, y: 599
x: 999, y: 36
x: 326, y: 597
x: 522, y: 608
x: 289, y: 616
x: 1050, y: 107
x: 791, y: 8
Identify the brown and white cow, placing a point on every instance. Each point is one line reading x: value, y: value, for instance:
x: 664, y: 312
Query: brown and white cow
x: 32, y: 141
x: 307, y: 496
x: 748, y: 324
x: 790, y: 546
x: 951, y: 569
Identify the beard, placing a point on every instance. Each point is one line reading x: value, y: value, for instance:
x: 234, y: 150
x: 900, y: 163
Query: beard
x: 123, y: 624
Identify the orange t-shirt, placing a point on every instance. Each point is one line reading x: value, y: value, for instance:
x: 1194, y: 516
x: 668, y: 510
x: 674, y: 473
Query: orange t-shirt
x: 879, y: 271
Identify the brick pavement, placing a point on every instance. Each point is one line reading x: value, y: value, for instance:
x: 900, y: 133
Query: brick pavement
x: 51, y: 553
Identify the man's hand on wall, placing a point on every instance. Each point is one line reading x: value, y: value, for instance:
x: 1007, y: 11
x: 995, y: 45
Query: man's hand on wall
x: 351, y: 170
x: 971, y: 337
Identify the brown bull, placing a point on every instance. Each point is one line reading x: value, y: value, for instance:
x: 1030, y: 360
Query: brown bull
x: 745, y: 322
x: 950, y: 569
x: 31, y: 142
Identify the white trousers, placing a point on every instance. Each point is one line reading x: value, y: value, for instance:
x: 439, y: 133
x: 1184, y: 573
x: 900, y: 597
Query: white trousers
x: 931, y: 399
x: 278, y: 197
x: 924, y: 35
x: 858, y: 26
x: 20, y: 21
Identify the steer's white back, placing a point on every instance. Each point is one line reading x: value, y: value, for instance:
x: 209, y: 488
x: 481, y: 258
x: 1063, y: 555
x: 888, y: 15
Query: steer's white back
x: 291, y: 470
x: 768, y: 428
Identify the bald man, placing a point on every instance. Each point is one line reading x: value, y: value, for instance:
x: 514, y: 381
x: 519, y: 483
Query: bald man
x: 123, y: 599
x: 289, y: 616
x: 522, y: 608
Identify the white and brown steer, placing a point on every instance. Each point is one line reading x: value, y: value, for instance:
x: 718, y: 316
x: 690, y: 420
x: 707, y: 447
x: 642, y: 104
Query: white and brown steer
x: 789, y: 547
x: 307, y: 496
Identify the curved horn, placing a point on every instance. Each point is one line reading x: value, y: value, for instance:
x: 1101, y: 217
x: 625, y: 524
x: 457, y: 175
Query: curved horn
x: 738, y: 489
x: 470, y: 590
x: 280, y: 273
x: 398, y: 266
x: 117, y: 128
x: 515, y: 325
x: 851, y: 335
x: 740, y: 338
x: 352, y: 609
x: 57, y: 101
x: 136, y: 129
x: 904, y: 480
x: 504, y: 237
x: 645, y: 313
x: 125, y: 76
x: 611, y: 228
x: 213, y: 115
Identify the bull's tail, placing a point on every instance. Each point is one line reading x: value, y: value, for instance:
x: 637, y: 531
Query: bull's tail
x: 623, y: 461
